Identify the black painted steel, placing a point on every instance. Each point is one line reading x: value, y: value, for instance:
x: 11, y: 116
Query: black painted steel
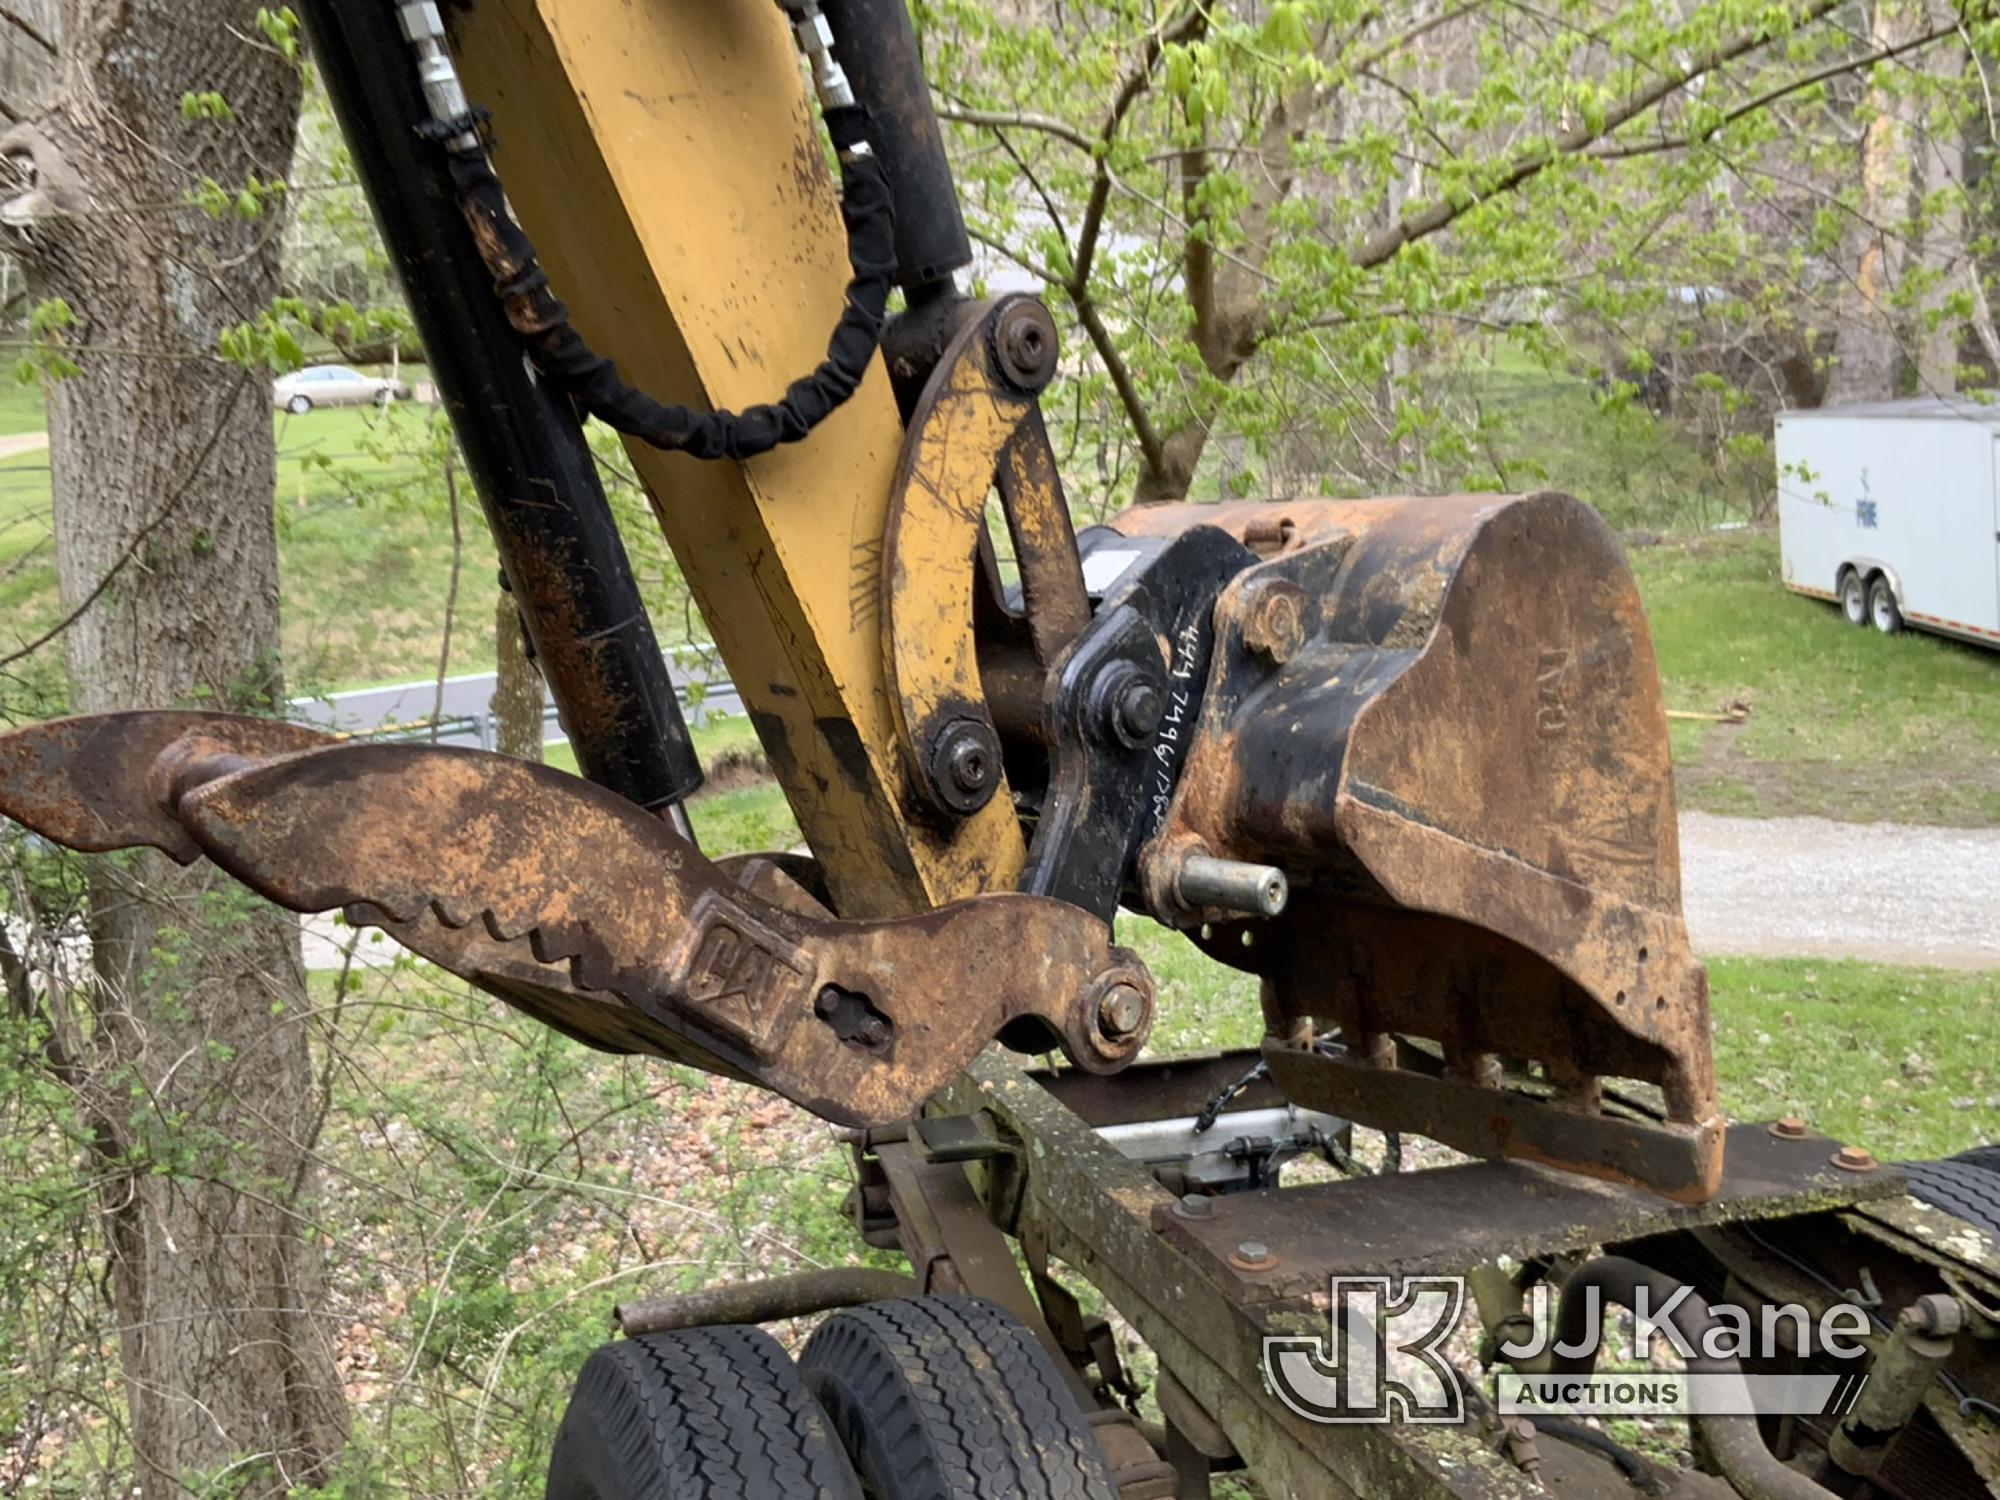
x: 877, y: 46
x: 523, y: 442
x: 1120, y: 719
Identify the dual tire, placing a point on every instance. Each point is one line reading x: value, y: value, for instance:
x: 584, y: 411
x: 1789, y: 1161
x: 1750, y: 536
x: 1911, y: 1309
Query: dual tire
x: 1870, y: 601
x: 927, y: 1398
x: 1966, y: 1186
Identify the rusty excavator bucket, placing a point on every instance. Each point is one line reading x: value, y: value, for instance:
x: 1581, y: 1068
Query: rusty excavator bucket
x: 1442, y: 718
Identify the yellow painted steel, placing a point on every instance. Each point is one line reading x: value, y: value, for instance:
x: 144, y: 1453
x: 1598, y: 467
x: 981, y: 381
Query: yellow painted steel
x: 663, y: 157
x: 936, y: 518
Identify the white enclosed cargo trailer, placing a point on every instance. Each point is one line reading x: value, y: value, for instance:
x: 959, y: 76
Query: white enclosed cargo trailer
x: 1892, y: 511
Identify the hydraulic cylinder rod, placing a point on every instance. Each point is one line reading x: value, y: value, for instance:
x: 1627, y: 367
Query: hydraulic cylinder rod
x: 537, y: 481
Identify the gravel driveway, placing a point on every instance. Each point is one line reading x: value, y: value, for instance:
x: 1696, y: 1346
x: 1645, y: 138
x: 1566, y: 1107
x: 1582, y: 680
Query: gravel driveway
x: 1762, y: 887
x: 1811, y: 888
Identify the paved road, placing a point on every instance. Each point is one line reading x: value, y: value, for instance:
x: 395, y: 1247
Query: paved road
x: 1810, y: 888
x: 1763, y: 887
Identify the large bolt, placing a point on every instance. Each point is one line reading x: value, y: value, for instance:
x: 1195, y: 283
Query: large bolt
x: 1121, y: 1012
x: 1141, y: 706
x: 1252, y: 1255
x: 1274, y: 619
x: 1024, y: 342
x: 1790, y: 1128
x: 1194, y: 1206
x: 1854, y: 1159
x: 964, y: 766
x: 1129, y: 701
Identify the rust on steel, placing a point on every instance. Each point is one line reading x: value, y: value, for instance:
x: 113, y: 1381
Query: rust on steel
x: 584, y: 909
x: 1459, y: 753
x: 973, y: 430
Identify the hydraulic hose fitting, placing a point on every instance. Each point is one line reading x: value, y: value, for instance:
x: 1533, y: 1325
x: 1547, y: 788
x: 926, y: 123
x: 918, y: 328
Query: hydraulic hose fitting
x: 815, y: 39
x: 423, y: 29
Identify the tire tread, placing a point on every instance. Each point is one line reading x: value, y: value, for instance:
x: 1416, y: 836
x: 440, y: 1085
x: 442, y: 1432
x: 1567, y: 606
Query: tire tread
x: 704, y: 1414
x: 1967, y: 1186
x: 949, y: 1396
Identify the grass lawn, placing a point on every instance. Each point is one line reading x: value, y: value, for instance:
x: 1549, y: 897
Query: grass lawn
x: 740, y: 811
x: 22, y: 408
x: 1843, y: 722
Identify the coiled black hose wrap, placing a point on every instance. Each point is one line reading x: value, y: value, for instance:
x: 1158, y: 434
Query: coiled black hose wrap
x: 593, y: 381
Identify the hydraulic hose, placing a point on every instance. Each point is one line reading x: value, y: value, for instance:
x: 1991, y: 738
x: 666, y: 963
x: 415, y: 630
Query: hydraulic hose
x: 1734, y: 1442
x: 593, y: 382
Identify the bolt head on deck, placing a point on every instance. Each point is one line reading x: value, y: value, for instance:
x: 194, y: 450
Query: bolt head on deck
x: 1252, y: 1255
x: 1790, y: 1128
x: 1854, y: 1159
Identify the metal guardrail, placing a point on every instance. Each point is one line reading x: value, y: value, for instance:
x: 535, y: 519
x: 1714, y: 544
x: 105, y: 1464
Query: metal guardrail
x: 463, y: 712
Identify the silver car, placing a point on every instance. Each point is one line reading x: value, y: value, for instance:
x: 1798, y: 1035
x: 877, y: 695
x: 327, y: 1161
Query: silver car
x: 333, y: 385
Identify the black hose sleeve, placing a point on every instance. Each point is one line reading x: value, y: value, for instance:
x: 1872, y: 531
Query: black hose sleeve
x: 593, y: 382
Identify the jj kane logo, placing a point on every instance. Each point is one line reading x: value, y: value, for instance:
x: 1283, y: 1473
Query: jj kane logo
x: 1382, y: 1358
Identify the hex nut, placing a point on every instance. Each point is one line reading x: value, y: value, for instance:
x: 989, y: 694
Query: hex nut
x: 1274, y: 619
x: 1141, y: 706
x: 1790, y: 1128
x: 1854, y: 1159
x: 1939, y: 1315
x: 1252, y: 1255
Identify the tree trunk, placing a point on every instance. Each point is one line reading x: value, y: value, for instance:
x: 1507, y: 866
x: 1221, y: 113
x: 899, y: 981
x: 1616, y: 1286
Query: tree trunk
x: 198, y: 1076
x: 517, y: 689
x: 1180, y: 455
x: 1868, y: 349
x: 1941, y: 185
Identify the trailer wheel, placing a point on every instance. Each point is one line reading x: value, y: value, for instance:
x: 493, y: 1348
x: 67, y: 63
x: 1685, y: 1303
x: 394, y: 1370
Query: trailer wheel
x: 1883, y: 611
x: 718, y: 1413
x: 1966, y: 1186
x: 939, y: 1398
x: 1853, y: 596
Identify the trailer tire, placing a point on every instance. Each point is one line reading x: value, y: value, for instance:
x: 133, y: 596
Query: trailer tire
x: 714, y: 1413
x: 1966, y: 1186
x: 1853, y: 596
x: 946, y: 1398
x: 1883, y: 611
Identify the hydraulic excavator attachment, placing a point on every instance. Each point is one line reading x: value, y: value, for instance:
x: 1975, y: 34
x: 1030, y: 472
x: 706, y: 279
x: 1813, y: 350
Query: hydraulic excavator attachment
x: 1404, y: 759
x: 583, y: 909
